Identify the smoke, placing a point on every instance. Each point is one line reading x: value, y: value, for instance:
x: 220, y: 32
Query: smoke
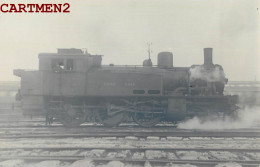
x: 250, y: 98
x: 247, y: 118
x: 212, y: 75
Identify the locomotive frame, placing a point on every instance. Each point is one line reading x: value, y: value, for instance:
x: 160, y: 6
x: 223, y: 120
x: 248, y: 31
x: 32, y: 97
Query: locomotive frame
x: 73, y: 87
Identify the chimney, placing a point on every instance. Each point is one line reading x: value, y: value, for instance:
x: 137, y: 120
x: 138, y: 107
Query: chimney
x: 208, y: 56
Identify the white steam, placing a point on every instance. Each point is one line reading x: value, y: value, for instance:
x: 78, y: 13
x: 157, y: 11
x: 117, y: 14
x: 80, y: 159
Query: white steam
x: 212, y: 75
x: 247, y: 118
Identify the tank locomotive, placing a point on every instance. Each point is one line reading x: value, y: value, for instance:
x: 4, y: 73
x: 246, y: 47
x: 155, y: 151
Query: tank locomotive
x: 73, y: 87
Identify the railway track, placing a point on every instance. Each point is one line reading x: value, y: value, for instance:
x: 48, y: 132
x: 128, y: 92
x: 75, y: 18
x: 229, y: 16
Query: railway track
x: 142, y: 162
x: 100, y: 131
x: 155, y: 156
x: 132, y: 146
x: 138, y: 135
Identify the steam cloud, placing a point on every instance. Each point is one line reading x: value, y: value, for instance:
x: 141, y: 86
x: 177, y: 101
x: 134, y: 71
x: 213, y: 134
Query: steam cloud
x: 249, y: 100
x: 247, y: 118
x: 199, y: 72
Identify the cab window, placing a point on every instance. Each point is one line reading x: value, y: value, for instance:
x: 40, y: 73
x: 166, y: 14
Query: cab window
x: 57, y: 64
x: 69, y: 64
x: 62, y: 65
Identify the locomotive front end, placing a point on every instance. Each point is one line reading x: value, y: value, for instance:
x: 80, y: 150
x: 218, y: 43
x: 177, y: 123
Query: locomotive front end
x: 204, y: 94
x: 209, y: 78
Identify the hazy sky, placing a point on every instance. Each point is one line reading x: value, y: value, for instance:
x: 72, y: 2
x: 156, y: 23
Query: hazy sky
x: 120, y: 29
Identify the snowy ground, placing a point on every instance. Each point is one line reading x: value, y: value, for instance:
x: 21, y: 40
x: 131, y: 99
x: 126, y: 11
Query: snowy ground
x: 128, y: 142
x: 89, y: 163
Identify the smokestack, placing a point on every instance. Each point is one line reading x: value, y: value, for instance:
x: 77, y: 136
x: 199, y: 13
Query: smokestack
x: 208, y: 56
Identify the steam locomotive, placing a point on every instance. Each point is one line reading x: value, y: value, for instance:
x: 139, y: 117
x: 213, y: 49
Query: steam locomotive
x: 72, y: 86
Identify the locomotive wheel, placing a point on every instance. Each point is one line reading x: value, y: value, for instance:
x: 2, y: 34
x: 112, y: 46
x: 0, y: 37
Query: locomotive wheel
x: 72, y: 117
x: 143, y: 120
x: 111, y: 121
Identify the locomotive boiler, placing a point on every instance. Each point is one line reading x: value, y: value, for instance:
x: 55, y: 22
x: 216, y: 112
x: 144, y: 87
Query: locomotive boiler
x: 73, y: 86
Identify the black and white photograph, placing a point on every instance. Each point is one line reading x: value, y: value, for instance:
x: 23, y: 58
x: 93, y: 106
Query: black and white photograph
x: 129, y: 83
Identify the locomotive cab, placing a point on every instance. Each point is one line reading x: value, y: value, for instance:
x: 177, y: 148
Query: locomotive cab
x: 60, y: 74
x: 68, y: 60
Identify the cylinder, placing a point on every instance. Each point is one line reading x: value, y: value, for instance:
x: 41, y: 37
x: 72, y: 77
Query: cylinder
x: 165, y: 60
x: 208, y: 56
